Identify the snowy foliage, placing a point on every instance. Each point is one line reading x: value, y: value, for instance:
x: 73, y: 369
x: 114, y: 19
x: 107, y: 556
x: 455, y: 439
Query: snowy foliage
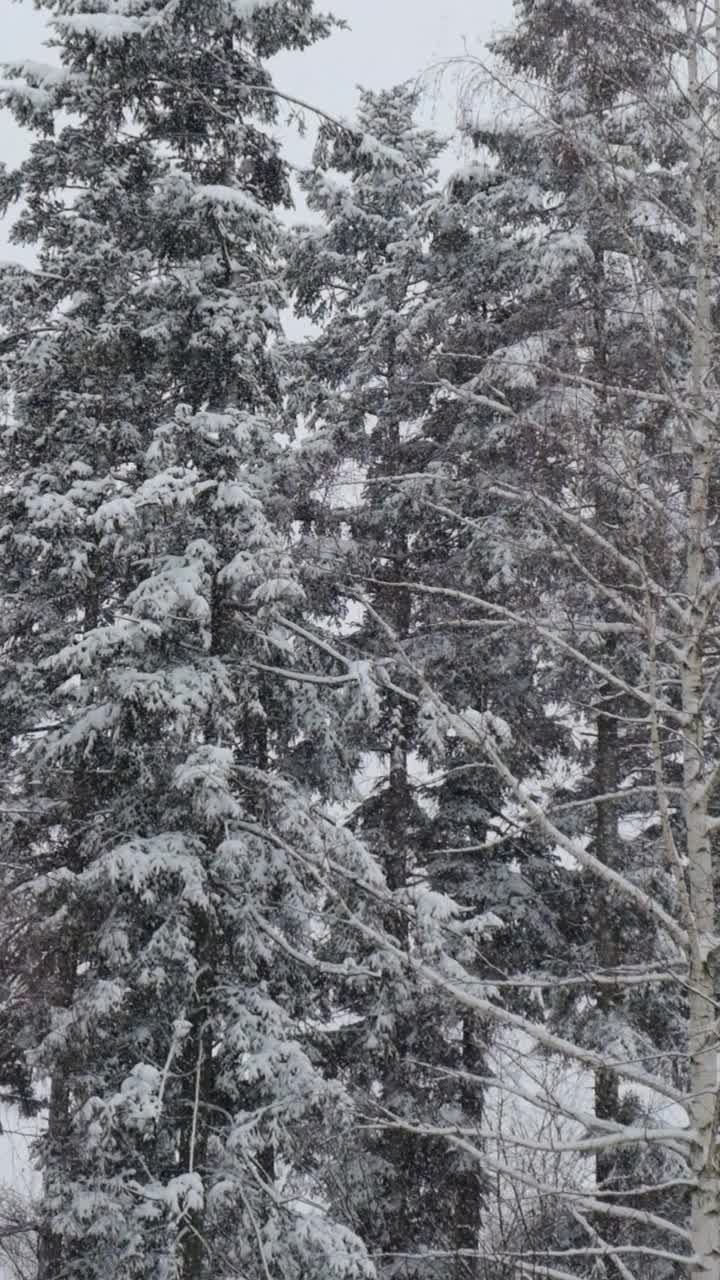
x: 358, y: 695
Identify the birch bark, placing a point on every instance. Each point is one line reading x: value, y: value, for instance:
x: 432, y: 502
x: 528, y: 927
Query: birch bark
x: 702, y: 1035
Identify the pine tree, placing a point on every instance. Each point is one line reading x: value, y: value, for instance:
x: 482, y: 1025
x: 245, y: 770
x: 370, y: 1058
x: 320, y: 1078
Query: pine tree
x: 163, y: 859
x: 360, y: 278
x: 593, y: 328
x: 394, y: 278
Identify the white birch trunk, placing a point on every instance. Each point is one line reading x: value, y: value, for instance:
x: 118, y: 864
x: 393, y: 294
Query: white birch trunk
x: 704, y: 1227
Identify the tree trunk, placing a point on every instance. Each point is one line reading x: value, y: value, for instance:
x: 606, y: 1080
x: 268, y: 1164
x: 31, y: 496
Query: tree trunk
x: 702, y: 1034
x: 51, y: 1250
x: 198, y: 1078
x: 607, y: 942
x: 468, y: 1179
x: 50, y: 1244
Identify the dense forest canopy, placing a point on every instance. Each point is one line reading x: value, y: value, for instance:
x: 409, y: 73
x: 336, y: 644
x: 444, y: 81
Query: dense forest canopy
x: 360, y: 676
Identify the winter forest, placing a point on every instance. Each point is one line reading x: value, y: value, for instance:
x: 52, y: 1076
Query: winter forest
x: 360, y: 653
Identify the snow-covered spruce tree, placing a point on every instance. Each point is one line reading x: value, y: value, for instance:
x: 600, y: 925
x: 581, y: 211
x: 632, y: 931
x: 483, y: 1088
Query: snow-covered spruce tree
x: 573, y: 179
x: 395, y: 279
x: 360, y: 277
x: 621, y: 353
x: 162, y: 854
x: 582, y: 315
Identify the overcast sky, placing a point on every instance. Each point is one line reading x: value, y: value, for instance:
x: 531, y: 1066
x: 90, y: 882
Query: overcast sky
x: 389, y: 41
